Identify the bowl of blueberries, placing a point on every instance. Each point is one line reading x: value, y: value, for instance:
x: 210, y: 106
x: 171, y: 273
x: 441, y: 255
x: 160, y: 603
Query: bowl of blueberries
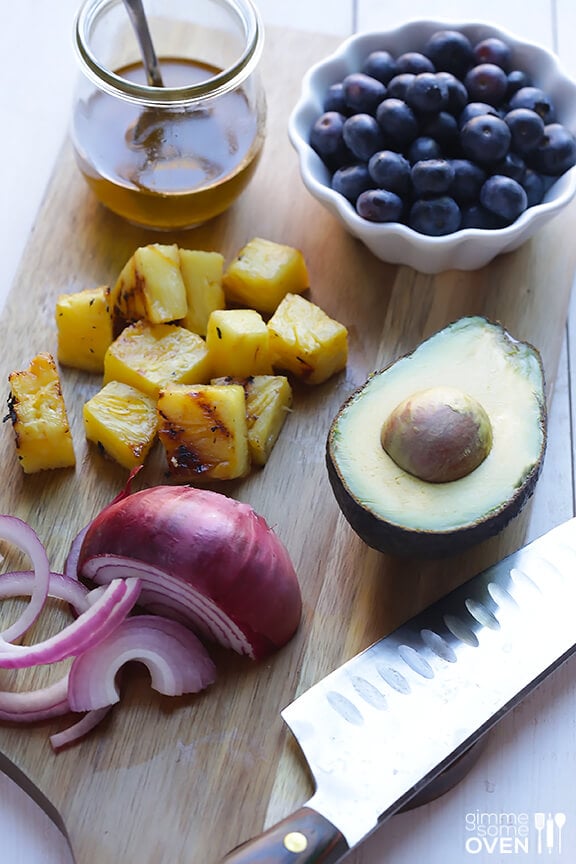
x: 438, y: 145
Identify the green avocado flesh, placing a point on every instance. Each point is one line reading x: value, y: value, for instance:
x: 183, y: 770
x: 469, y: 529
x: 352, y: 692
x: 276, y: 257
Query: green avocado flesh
x: 395, y: 510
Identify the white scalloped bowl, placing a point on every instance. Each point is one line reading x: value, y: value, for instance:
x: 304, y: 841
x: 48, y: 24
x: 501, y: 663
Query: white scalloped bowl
x: 467, y: 249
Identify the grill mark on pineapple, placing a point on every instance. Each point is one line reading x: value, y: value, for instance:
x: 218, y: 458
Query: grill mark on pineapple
x: 12, y: 413
x: 184, y: 456
x: 121, y: 313
x: 307, y: 368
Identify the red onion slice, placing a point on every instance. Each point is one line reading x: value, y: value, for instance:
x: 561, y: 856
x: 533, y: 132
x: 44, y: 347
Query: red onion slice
x: 22, y: 582
x: 90, y: 628
x: 31, y: 705
x: 79, y: 729
x: 176, y: 659
x: 28, y: 706
x: 16, y: 531
x: 169, y: 595
x: 71, y: 563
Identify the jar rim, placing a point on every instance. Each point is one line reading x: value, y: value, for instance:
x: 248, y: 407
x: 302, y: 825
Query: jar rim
x: 146, y: 94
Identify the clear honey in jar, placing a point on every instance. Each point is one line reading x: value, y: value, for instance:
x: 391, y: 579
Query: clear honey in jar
x: 169, y: 157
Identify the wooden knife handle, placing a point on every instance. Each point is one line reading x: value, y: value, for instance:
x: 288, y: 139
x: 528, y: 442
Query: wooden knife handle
x: 302, y: 838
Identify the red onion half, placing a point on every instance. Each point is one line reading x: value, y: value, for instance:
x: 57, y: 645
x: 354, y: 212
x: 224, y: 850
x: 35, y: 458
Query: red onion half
x: 203, y: 558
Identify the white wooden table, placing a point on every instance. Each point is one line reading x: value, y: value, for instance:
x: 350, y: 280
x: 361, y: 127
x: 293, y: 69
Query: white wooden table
x: 530, y: 762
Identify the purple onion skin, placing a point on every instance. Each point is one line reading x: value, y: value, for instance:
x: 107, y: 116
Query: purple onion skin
x: 218, y: 545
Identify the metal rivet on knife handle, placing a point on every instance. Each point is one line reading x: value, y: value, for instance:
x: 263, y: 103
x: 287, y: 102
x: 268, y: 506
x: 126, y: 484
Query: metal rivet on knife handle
x: 295, y: 841
x: 305, y: 837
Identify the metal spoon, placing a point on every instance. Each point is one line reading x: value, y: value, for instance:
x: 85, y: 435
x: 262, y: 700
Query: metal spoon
x: 140, y: 24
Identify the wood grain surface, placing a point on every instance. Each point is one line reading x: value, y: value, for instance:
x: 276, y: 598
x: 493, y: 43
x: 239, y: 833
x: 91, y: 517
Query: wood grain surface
x: 185, y: 780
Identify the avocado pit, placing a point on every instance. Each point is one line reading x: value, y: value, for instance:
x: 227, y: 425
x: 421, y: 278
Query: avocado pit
x: 439, y: 434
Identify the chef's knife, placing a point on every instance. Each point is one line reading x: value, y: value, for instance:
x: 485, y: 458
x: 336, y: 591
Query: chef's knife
x: 382, y: 726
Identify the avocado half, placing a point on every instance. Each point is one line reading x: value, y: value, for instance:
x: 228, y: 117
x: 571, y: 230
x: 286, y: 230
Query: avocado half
x: 397, y: 512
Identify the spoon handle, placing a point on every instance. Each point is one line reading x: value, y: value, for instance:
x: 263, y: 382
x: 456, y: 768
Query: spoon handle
x: 140, y: 24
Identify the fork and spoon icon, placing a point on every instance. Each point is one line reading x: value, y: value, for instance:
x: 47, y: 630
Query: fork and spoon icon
x: 545, y: 826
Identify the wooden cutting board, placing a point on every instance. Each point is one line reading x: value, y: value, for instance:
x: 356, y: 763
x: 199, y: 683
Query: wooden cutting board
x: 187, y: 779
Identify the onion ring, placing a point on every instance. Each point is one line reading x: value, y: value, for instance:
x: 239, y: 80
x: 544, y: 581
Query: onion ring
x: 100, y: 619
x: 25, y: 538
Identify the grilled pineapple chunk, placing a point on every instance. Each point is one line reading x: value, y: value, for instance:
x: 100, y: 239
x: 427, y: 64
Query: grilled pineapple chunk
x: 238, y: 343
x: 203, y: 430
x: 263, y: 273
x: 149, y: 287
x: 122, y: 422
x: 268, y: 401
x: 38, y: 415
x: 84, y: 328
x: 150, y: 356
x: 304, y: 340
x: 202, y: 275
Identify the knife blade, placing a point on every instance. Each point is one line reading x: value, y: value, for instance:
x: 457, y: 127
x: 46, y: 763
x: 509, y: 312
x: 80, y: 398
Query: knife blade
x: 377, y: 730
x: 31, y: 828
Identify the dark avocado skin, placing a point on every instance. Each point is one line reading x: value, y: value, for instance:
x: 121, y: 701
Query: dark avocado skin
x: 407, y: 542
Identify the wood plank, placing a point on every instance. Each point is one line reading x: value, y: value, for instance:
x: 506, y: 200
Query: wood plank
x: 224, y: 758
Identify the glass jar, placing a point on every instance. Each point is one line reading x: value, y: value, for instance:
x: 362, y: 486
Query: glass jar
x: 169, y: 157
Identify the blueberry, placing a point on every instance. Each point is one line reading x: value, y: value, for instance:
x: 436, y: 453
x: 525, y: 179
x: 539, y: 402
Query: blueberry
x: 486, y: 82
x: 397, y: 121
x: 450, y: 51
x: 351, y: 181
x: 467, y: 181
x: 535, y: 99
x: 457, y: 93
x: 504, y: 197
x: 362, y: 92
x: 435, y: 216
x: 390, y: 170
x: 443, y: 127
x: 423, y: 148
x: 477, y: 216
x: 327, y: 140
x: 493, y: 50
x: 526, y: 127
x: 449, y: 136
x: 513, y: 165
x: 414, y: 62
x: 485, y: 139
x: 427, y: 93
x: 517, y: 79
x: 477, y: 109
x: 398, y: 85
x: 556, y: 153
x: 362, y: 135
x: 534, y: 186
x: 380, y: 65
x: 432, y: 176
x: 335, y: 100
x: 380, y: 205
